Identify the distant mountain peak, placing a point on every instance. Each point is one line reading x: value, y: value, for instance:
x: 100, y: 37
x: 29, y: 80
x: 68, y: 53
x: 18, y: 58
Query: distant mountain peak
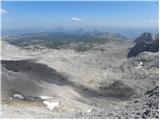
x: 95, y: 31
x: 79, y: 31
x: 59, y: 29
x: 146, y: 36
x: 144, y: 42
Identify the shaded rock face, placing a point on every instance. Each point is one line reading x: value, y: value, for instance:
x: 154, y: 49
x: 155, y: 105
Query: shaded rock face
x: 157, y: 37
x: 147, y: 37
x: 17, y: 83
x: 117, y: 89
x: 142, y: 46
x: 35, y: 71
x: 144, y: 43
x: 25, y: 77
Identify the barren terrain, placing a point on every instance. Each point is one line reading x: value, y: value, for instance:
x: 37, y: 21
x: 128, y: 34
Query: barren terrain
x: 98, y: 83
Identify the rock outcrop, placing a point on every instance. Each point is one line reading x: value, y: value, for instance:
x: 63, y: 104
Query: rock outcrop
x: 147, y: 37
x: 144, y: 43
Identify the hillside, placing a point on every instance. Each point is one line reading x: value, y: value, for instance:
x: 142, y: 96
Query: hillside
x: 100, y: 82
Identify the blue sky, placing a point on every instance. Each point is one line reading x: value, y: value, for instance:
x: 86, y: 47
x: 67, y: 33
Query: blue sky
x: 79, y: 14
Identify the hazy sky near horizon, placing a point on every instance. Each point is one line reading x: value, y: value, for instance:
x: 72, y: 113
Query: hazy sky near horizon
x: 50, y: 14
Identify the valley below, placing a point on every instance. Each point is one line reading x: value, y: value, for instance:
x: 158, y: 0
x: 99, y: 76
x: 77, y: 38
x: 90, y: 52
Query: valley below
x: 98, y: 81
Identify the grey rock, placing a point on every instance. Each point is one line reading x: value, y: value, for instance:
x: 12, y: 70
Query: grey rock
x: 144, y: 43
x: 147, y: 37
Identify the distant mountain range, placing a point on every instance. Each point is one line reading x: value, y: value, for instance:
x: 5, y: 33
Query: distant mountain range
x: 128, y: 32
x: 60, y: 39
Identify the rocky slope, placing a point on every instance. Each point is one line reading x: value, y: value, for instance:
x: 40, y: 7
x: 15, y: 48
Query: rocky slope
x: 98, y: 83
x: 147, y: 37
x: 144, y: 43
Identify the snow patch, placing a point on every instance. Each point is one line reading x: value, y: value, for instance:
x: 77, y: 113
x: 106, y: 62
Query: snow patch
x: 140, y: 65
x: 51, y: 105
x: 18, y: 96
x: 88, y: 111
x: 45, y: 97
